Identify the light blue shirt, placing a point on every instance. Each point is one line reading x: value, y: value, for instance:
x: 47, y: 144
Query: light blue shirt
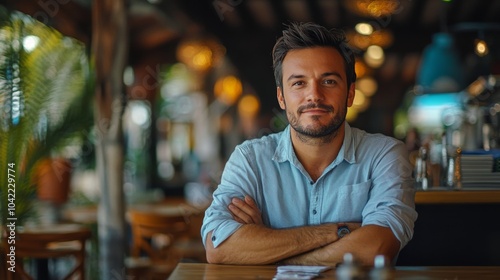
x: 369, y: 182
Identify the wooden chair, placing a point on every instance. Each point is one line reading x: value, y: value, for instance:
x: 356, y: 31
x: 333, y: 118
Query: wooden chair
x: 153, y: 233
x: 191, y: 247
x: 51, y: 241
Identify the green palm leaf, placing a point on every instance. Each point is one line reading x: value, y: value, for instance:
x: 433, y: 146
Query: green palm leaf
x: 45, y: 100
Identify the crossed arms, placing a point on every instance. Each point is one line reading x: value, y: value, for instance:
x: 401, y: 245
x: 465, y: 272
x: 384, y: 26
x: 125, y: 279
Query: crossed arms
x: 254, y: 243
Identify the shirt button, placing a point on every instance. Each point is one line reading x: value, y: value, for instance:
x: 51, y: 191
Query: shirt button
x: 312, y: 183
x: 314, y: 212
x: 213, y: 238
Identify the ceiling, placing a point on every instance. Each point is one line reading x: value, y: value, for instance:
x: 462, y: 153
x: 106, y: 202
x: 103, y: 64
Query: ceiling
x: 249, y: 28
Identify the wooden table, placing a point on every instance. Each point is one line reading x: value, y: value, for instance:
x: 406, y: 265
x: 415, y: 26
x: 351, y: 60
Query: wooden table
x: 43, y: 242
x: 195, y: 271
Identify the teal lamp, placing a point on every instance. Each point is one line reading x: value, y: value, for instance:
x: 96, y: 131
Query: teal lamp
x: 440, y: 67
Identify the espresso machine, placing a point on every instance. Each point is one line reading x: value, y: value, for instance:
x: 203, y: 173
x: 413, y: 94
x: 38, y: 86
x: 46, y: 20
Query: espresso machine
x: 480, y: 127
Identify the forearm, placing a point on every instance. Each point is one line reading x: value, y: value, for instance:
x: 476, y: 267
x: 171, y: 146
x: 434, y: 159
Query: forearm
x: 364, y: 243
x: 256, y: 244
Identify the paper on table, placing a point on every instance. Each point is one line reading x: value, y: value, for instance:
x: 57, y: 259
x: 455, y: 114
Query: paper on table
x: 303, y: 268
x: 299, y: 272
x: 289, y: 275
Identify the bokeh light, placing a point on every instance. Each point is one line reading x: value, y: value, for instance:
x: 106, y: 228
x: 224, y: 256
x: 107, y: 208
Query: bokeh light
x: 228, y: 89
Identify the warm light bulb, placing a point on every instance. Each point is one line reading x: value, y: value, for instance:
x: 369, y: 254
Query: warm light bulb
x: 375, y: 52
x: 228, y: 90
x: 364, y: 28
x: 368, y: 85
x: 360, y: 68
x: 374, y: 56
x: 248, y: 106
x: 361, y: 102
x: 481, y: 48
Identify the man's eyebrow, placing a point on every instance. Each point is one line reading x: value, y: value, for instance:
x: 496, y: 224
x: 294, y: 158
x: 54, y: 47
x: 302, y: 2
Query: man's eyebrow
x: 336, y: 74
x: 326, y: 74
x: 293, y: 76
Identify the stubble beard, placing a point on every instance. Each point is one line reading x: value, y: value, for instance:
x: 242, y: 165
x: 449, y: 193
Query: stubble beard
x: 314, y: 133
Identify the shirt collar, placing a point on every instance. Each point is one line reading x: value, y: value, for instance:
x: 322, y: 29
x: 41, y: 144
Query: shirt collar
x: 349, y: 146
x: 284, y: 150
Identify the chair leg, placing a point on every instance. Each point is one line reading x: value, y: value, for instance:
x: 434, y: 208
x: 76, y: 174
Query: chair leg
x: 79, y: 269
x: 19, y: 272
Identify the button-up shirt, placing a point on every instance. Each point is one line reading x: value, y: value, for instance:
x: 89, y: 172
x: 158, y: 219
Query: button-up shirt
x: 369, y: 182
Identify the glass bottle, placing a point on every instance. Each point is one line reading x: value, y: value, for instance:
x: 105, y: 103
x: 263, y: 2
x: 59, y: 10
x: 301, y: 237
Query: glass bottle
x: 454, y: 170
x: 421, y: 174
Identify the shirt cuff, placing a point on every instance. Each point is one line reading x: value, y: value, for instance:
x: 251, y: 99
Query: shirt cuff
x: 221, y: 232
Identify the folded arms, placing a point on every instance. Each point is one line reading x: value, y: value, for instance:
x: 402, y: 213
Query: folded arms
x: 254, y: 243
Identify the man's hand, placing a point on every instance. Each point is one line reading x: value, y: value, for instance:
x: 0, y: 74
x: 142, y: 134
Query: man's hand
x: 359, y: 242
x: 245, y: 211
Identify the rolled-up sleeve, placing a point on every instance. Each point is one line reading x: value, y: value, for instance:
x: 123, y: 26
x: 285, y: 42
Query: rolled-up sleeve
x: 217, y: 222
x: 391, y: 201
x: 237, y: 181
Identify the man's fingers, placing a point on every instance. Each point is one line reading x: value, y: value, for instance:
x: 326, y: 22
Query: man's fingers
x: 256, y: 214
x: 251, y: 209
x: 249, y: 200
x: 237, y: 219
x: 246, y: 210
x: 240, y: 215
x: 244, y: 206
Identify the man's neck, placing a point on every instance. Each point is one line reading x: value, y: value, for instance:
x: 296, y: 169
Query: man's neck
x: 315, y: 154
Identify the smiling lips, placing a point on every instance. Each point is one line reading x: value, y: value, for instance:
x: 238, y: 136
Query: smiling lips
x: 315, y: 108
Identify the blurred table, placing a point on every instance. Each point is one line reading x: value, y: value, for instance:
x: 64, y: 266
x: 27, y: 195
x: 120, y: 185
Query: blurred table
x: 51, y: 241
x: 168, y: 206
x: 195, y: 271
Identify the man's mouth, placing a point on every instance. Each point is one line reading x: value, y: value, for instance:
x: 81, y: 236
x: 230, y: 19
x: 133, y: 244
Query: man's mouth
x: 315, y: 108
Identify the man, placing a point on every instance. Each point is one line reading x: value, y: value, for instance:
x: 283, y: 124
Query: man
x: 318, y: 189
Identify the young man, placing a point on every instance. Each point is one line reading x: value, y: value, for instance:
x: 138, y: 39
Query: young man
x: 318, y: 189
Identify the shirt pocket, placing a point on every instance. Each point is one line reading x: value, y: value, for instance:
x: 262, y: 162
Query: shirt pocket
x: 353, y: 199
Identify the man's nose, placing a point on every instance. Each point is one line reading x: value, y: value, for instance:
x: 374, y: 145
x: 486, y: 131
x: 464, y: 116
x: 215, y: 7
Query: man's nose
x: 314, y: 93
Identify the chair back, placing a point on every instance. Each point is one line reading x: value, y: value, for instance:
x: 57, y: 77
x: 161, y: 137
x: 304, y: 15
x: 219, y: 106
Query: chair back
x: 149, y: 225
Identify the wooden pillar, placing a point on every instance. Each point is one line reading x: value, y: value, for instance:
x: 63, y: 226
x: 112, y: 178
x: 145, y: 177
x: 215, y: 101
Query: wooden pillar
x: 109, y: 55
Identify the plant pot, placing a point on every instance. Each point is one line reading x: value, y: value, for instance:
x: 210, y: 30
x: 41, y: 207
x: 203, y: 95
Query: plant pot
x: 52, y: 178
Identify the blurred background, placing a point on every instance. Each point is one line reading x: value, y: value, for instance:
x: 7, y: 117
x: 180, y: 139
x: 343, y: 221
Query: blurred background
x: 199, y: 76
x: 194, y: 79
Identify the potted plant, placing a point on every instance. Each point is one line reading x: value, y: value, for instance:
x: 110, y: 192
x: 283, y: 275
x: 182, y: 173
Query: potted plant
x: 46, y: 90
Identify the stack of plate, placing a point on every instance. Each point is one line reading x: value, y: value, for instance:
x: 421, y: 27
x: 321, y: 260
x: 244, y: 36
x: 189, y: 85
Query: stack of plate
x: 479, y: 169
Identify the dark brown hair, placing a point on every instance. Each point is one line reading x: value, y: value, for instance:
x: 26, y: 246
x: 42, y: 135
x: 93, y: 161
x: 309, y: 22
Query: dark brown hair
x: 308, y: 35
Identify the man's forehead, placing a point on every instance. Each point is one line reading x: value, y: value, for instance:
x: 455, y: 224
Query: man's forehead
x: 321, y: 60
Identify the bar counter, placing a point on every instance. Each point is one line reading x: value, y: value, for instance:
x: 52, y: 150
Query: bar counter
x: 446, y: 196
x: 455, y: 227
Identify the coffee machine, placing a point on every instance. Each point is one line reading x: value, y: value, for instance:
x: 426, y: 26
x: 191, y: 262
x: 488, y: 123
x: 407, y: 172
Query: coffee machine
x: 481, y: 117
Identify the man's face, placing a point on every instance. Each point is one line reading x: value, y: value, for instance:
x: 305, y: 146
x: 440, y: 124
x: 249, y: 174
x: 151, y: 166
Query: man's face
x: 315, y: 95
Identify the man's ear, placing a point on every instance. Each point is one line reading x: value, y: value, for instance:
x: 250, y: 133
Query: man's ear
x: 350, y: 94
x: 281, y: 99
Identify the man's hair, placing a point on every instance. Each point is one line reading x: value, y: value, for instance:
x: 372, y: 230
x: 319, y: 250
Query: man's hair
x: 308, y: 35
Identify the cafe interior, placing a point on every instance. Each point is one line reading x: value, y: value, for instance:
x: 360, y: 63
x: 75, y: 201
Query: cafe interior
x: 117, y: 118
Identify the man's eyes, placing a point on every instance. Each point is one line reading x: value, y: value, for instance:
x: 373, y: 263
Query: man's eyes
x: 329, y: 82
x: 326, y: 82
